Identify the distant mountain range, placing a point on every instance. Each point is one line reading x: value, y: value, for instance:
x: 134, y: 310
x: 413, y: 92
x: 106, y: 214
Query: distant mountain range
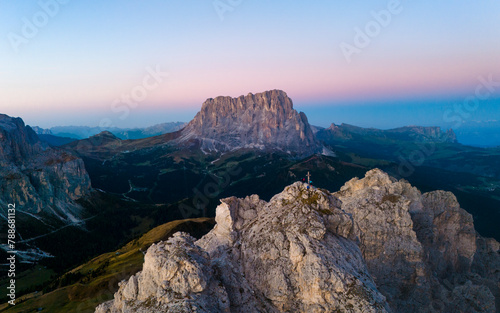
x: 412, y: 145
x: 253, y: 144
x: 408, y: 134
x: 473, y: 133
x: 82, y: 132
x: 241, y: 130
x: 259, y: 123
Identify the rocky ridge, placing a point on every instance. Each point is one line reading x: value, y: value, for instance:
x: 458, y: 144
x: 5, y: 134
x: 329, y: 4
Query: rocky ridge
x: 83, y: 132
x: 38, y: 179
x: 408, y: 133
x: 264, y: 120
x: 422, y: 249
x: 296, y: 253
x: 377, y: 245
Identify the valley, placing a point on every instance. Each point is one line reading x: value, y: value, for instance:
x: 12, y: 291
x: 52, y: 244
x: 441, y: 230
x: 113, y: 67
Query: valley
x: 138, y: 185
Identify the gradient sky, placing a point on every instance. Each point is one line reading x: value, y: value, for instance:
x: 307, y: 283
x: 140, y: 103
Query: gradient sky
x: 89, y: 53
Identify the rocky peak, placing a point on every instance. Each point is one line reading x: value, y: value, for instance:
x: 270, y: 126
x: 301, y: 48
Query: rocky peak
x: 17, y: 141
x: 376, y: 245
x: 41, y: 131
x: 452, y: 137
x: 295, y: 253
x: 421, y: 249
x: 103, y: 138
x: 373, y: 179
x: 264, y: 120
x: 37, y: 178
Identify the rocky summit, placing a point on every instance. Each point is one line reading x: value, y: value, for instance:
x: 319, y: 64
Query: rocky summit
x: 264, y: 120
x: 422, y: 249
x: 36, y: 178
x: 377, y: 245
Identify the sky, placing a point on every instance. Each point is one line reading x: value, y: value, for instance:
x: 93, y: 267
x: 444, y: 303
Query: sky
x: 138, y: 63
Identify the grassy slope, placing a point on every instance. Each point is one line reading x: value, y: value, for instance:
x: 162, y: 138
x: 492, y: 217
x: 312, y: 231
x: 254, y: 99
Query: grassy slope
x: 81, y: 289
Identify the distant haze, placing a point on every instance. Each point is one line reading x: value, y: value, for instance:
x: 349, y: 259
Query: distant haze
x: 74, y: 69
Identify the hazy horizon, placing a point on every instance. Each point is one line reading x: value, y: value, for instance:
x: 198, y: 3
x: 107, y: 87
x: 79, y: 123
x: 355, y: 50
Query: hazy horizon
x: 477, y: 128
x: 384, y: 115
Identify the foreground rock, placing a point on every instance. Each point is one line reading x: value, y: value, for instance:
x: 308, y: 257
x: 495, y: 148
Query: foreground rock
x: 422, y: 250
x: 297, y: 253
x: 377, y: 245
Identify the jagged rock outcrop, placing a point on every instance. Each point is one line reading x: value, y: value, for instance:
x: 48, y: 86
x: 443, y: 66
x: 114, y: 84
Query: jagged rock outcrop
x: 422, y: 250
x: 296, y: 253
x: 377, y: 245
x: 37, y: 178
x: 380, y: 206
x: 264, y: 120
x: 41, y: 131
x: 176, y: 277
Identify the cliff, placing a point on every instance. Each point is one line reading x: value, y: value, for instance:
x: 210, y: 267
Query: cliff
x: 377, y: 245
x: 422, y: 249
x: 264, y: 120
x: 296, y: 253
x: 36, y: 178
x: 403, y: 134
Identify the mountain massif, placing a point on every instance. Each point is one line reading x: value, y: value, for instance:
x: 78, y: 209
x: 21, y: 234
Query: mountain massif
x: 240, y: 130
x: 408, y: 133
x: 82, y: 132
x: 264, y: 121
x: 377, y: 245
x: 267, y: 122
x: 39, y: 179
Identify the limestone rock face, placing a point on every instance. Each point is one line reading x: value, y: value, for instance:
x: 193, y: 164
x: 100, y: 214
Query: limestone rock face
x: 264, y: 120
x: 447, y: 232
x: 377, y: 245
x: 39, y: 179
x: 381, y: 208
x: 177, y: 277
x: 422, y: 250
x: 17, y: 142
x: 296, y: 253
